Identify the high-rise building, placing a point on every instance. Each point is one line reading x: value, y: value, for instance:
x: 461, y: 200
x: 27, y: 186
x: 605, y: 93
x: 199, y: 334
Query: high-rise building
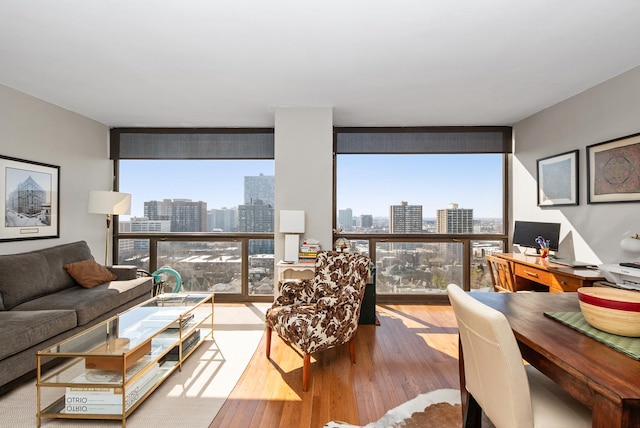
x: 185, y: 215
x: 256, y: 217
x: 222, y: 220
x: 454, y: 220
x: 405, y: 218
x: 366, y: 221
x: 257, y: 213
x: 345, y: 219
x: 259, y: 188
x: 141, y: 225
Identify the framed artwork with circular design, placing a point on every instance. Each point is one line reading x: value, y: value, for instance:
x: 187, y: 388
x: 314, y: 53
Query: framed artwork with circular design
x: 613, y: 170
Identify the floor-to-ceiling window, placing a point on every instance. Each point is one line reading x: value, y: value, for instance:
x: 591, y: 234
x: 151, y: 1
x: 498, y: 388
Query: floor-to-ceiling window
x: 426, y: 204
x: 202, y: 205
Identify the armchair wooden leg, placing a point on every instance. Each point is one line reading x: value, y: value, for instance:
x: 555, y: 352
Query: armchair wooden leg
x: 268, y: 342
x: 306, y: 368
x: 352, y: 351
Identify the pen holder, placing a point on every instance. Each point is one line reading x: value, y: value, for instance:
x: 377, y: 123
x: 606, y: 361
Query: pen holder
x: 544, y: 252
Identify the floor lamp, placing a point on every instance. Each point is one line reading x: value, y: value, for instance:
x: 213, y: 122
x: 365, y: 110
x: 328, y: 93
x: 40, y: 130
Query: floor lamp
x: 292, y: 224
x: 109, y: 203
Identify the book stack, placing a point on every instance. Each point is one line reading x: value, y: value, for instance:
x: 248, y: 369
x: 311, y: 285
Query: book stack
x: 105, y: 400
x: 187, y: 345
x: 308, y: 253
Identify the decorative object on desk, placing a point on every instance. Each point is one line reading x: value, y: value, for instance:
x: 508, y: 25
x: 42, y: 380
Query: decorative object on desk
x: 544, y: 246
x: 291, y: 224
x: 109, y: 203
x: 343, y: 245
x: 611, y: 309
x: 613, y: 168
x: 631, y: 243
x: 558, y: 179
x: 31, y: 194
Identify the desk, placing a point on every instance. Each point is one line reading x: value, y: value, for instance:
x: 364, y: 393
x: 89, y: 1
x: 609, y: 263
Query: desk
x: 600, y: 377
x: 532, y: 272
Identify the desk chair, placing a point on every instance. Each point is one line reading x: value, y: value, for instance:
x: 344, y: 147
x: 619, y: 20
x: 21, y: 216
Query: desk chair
x: 510, y: 393
x: 501, y: 274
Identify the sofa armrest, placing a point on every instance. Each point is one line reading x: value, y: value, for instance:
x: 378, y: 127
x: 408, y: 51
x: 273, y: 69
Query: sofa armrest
x: 124, y: 272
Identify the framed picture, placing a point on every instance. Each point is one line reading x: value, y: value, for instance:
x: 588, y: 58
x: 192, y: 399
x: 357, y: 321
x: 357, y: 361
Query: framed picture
x: 613, y: 170
x: 558, y: 179
x: 30, y: 200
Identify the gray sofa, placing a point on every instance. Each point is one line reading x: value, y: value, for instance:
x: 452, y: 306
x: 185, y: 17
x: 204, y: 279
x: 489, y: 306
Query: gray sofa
x: 41, y: 304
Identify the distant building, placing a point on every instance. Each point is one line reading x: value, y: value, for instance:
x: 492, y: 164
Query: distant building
x: 454, y: 220
x: 366, y: 221
x: 259, y: 188
x: 222, y: 220
x: 185, y: 215
x: 141, y: 225
x: 257, y: 213
x: 345, y: 219
x: 405, y: 218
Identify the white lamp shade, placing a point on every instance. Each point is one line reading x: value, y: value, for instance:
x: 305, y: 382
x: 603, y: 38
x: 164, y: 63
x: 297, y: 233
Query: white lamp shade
x: 291, y: 221
x: 107, y: 202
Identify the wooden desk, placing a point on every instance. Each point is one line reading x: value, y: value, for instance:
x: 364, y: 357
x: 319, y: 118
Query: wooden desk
x: 602, y: 378
x: 531, y: 272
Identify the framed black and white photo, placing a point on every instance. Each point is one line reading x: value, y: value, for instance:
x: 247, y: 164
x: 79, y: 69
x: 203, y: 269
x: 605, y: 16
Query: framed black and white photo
x: 558, y: 179
x: 30, y: 200
x: 613, y: 170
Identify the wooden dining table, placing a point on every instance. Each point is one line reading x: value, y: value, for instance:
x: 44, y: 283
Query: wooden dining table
x: 604, y: 379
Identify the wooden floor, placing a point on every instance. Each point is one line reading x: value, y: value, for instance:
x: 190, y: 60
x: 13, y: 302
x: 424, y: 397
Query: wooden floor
x: 413, y: 351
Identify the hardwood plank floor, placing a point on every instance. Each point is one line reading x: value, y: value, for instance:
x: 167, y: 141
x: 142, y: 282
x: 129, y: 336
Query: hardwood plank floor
x: 413, y: 351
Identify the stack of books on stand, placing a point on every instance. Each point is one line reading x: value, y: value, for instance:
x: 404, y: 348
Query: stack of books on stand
x: 308, y: 253
x: 102, y: 399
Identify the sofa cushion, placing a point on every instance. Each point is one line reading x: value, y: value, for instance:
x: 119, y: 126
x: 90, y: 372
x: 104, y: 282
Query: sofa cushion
x: 23, y: 330
x: 89, y: 273
x: 59, y: 256
x: 90, y: 303
x: 22, y: 277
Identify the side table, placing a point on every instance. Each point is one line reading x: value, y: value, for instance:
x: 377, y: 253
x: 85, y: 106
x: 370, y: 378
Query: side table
x: 294, y: 271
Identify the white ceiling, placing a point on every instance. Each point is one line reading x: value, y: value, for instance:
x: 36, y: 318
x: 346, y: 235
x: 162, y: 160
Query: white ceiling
x: 221, y: 63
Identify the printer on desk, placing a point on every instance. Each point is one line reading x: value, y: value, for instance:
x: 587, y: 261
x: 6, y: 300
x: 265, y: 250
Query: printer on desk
x: 622, y: 276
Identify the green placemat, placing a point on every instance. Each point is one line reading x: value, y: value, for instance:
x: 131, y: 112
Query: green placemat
x: 627, y: 345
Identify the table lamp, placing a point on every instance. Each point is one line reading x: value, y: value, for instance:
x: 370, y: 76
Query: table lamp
x: 109, y: 203
x: 292, y: 224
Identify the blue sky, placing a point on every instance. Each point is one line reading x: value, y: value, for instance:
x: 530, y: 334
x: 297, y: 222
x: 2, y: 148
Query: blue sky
x: 368, y: 184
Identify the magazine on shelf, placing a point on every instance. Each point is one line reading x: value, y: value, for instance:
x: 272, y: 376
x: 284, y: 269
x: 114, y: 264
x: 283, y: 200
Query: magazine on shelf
x: 108, y: 400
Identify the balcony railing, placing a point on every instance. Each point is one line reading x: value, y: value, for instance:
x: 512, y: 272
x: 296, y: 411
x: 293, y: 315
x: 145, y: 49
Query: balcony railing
x: 240, y: 266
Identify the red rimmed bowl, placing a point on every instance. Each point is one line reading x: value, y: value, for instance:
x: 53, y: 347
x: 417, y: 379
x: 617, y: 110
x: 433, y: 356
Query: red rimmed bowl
x: 612, y: 310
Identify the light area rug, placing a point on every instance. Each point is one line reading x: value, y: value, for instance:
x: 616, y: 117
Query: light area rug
x: 188, y: 398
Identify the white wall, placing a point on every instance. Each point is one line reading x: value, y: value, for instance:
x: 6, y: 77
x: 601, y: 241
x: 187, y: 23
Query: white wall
x: 590, y: 232
x: 304, y: 171
x: 34, y: 130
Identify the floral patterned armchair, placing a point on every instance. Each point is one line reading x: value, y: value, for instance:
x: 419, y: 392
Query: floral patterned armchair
x: 317, y: 314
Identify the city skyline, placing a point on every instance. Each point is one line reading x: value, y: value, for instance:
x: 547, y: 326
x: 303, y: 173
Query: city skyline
x: 414, y: 179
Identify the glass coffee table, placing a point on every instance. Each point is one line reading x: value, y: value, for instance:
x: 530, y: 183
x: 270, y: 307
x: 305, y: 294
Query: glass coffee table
x: 112, y: 367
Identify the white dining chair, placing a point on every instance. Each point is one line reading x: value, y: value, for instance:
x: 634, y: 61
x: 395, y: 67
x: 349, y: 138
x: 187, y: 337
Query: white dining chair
x: 510, y: 393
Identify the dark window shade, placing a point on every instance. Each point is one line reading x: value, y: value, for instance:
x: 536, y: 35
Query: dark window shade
x: 423, y: 140
x: 182, y: 144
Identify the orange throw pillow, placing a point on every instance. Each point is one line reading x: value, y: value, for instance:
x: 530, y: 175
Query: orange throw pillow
x: 88, y: 273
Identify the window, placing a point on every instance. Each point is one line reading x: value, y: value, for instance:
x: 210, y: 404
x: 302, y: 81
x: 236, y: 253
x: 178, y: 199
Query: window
x: 430, y: 202
x: 202, y: 204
